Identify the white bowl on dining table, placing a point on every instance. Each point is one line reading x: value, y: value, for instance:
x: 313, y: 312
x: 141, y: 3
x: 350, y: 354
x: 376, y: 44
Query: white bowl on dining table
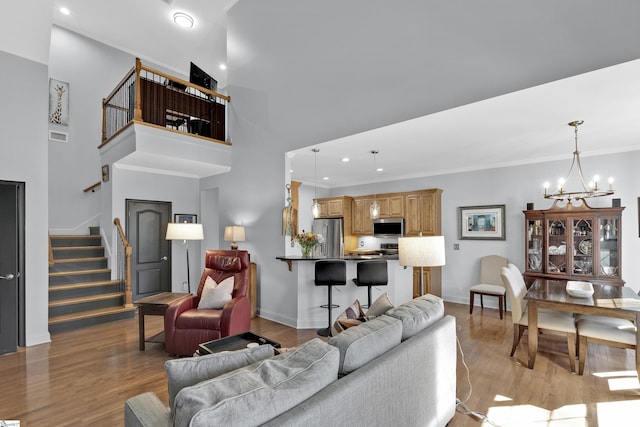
x: 578, y: 289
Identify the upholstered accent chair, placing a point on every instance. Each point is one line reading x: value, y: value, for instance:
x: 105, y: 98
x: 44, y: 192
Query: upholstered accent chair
x: 549, y: 320
x: 490, y: 283
x: 186, y: 325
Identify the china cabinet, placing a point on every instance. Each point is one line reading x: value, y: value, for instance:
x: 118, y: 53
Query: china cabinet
x: 574, y: 243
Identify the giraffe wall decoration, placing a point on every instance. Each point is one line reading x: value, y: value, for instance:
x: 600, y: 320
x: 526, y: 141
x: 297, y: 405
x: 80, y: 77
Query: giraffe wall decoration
x: 58, y: 102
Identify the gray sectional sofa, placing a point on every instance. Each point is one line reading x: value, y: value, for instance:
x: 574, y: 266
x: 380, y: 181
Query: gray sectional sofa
x: 396, y: 369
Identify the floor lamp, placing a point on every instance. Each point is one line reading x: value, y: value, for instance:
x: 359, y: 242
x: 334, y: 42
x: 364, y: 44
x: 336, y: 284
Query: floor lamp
x: 421, y: 251
x: 185, y: 231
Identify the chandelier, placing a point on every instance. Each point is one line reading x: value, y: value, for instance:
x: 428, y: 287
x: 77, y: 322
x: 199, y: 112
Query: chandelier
x: 588, y: 190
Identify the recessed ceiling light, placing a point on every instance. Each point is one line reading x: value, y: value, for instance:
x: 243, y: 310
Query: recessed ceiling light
x: 345, y: 159
x: 65, y: 11
x: 183, y: 20
x: 223, y: 66
x: 326, y: 178
x: 379, y: 169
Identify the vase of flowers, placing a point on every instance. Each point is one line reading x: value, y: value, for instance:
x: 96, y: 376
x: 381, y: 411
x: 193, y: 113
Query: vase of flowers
x: 307, y: 242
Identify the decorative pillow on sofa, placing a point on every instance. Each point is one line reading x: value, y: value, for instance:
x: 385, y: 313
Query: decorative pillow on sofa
x: 257, y: 393
x: 361, y: 344
x: 418, y: 314
x: 352, y: 316
x: 214, y: 295
x: 189, y: 371
x: 380, y: 306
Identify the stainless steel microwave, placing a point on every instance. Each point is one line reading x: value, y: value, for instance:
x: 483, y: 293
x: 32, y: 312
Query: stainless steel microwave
x: 388, y: 227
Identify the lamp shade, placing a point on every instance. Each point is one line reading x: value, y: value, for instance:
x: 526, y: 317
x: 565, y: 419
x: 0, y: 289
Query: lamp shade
x: 423, y: 251
x: 234, y: 233
x: 184, y: 231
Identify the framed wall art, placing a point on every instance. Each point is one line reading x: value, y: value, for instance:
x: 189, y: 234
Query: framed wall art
x: 58, y: 102
x: 481, y: 222
x: 185, y: 218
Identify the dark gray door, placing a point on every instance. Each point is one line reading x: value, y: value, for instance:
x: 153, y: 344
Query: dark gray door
x: 11, y: 256
x: 151, y: 256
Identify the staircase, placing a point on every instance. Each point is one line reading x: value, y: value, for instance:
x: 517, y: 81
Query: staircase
x: 81, y: 292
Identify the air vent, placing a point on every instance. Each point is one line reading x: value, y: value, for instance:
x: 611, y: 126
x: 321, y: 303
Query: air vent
x: 58, y: 136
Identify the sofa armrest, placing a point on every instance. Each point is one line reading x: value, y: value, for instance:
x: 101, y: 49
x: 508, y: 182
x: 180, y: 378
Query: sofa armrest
x: 236, y: 317
x: 173, y: 311
x: 146, y: 410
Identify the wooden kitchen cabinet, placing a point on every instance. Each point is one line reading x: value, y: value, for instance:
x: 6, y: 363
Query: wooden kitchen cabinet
x: 422, y: 213
x: 574, y: 243
x: 361, y: 224
x: 332, y: 207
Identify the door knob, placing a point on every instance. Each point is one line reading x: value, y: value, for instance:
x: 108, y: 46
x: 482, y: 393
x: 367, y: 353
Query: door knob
x: 164, y: 258
x: 7, y: 277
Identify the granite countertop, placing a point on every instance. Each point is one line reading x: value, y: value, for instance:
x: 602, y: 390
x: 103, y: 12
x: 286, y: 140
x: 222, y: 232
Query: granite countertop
x: 290, y: 258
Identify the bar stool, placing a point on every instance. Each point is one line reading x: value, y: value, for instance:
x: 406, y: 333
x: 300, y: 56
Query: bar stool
x: 371, y: 273
x: 330, y: 273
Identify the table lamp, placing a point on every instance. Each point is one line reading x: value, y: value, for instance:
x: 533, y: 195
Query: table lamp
x: 234, y: 234
x: 421, y: 251
x: 185, y: 231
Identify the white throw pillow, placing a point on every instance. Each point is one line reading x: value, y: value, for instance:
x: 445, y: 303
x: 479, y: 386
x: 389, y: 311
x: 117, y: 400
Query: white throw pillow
x: 216, y: 295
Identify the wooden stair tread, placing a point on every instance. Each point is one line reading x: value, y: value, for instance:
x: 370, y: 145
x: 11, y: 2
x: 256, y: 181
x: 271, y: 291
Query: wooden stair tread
x: 75, y: 236
x: 84, y: 259
x: 77, y: 272
x: 88, y: 314
x: 75, y: 248
x: 83, y: 285
x: 91, y: 298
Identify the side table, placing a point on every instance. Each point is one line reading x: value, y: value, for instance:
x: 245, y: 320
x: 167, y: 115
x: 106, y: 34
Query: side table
x: 155, y: 305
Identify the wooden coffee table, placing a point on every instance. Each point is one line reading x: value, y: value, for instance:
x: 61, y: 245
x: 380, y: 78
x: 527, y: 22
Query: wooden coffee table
x: 155, y: 305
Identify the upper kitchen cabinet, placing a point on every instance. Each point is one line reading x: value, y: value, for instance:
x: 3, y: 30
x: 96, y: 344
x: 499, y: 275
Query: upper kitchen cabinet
x: 420, y: 209
x: 334, y: 207
x: 422, y: 212
x: 574, y: 243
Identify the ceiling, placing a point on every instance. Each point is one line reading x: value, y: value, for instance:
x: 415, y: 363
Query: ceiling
x: 145, y: 28
x: 527, y: 126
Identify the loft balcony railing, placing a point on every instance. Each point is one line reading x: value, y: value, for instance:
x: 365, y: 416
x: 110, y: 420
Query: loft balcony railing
x: 151, y: 97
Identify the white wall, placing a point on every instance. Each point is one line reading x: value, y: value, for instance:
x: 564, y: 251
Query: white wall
x: 299, y: 75
x: 23, y: 158
x: 515, y: 187
x: 184, y: 195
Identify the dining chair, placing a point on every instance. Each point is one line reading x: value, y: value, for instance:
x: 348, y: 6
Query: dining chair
x: 490, y: 283
x: 619, y: 333
x: 548, y: 321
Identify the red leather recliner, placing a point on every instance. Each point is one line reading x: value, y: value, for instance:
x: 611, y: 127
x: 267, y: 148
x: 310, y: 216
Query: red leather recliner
x: 186, y: 326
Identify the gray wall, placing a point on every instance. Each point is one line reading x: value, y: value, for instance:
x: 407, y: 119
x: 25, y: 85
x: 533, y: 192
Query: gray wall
x: 301, y: 75
x: 23, y: 158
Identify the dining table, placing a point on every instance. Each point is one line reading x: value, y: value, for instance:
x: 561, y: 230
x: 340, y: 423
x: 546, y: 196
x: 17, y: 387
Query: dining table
x: 607, y: 300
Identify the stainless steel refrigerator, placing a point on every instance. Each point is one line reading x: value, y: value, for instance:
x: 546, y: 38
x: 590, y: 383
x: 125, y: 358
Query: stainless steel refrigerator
x: 332, y: 231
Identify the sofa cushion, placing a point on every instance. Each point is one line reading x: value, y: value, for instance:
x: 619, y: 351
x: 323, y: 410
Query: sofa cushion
x: 259, y: 392
x: 189, y: 371
x: 380, y: 306
x: 418, y: 314
x: 216, y: 295
x: 365, y: 342
x: 352, y: 316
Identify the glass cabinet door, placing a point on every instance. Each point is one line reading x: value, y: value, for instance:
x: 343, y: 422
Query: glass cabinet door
x: 534, y: 245
x: 608, y: 256
x: 557, y: 249
x: 583, y: 247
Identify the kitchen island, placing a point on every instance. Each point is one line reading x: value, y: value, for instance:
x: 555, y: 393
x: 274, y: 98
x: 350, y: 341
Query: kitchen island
x: 309, y: 297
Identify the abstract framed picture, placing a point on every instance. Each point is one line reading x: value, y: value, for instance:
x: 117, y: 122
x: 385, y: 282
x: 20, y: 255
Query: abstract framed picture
x: 481, y: 222
x: 185, y: 218
x: 58, y: 102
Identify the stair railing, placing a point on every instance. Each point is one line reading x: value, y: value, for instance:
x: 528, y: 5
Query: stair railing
x: 123, y: 256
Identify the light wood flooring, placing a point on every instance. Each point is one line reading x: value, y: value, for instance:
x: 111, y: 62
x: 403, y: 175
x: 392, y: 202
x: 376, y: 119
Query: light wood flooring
x: 83, y: 377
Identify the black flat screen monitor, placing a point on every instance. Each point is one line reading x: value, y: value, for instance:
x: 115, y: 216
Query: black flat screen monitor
x: 199, y: 77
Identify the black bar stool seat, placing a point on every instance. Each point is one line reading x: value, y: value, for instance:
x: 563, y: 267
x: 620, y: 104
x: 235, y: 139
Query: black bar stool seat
x: 372, y: 273
x: 330, y: 273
